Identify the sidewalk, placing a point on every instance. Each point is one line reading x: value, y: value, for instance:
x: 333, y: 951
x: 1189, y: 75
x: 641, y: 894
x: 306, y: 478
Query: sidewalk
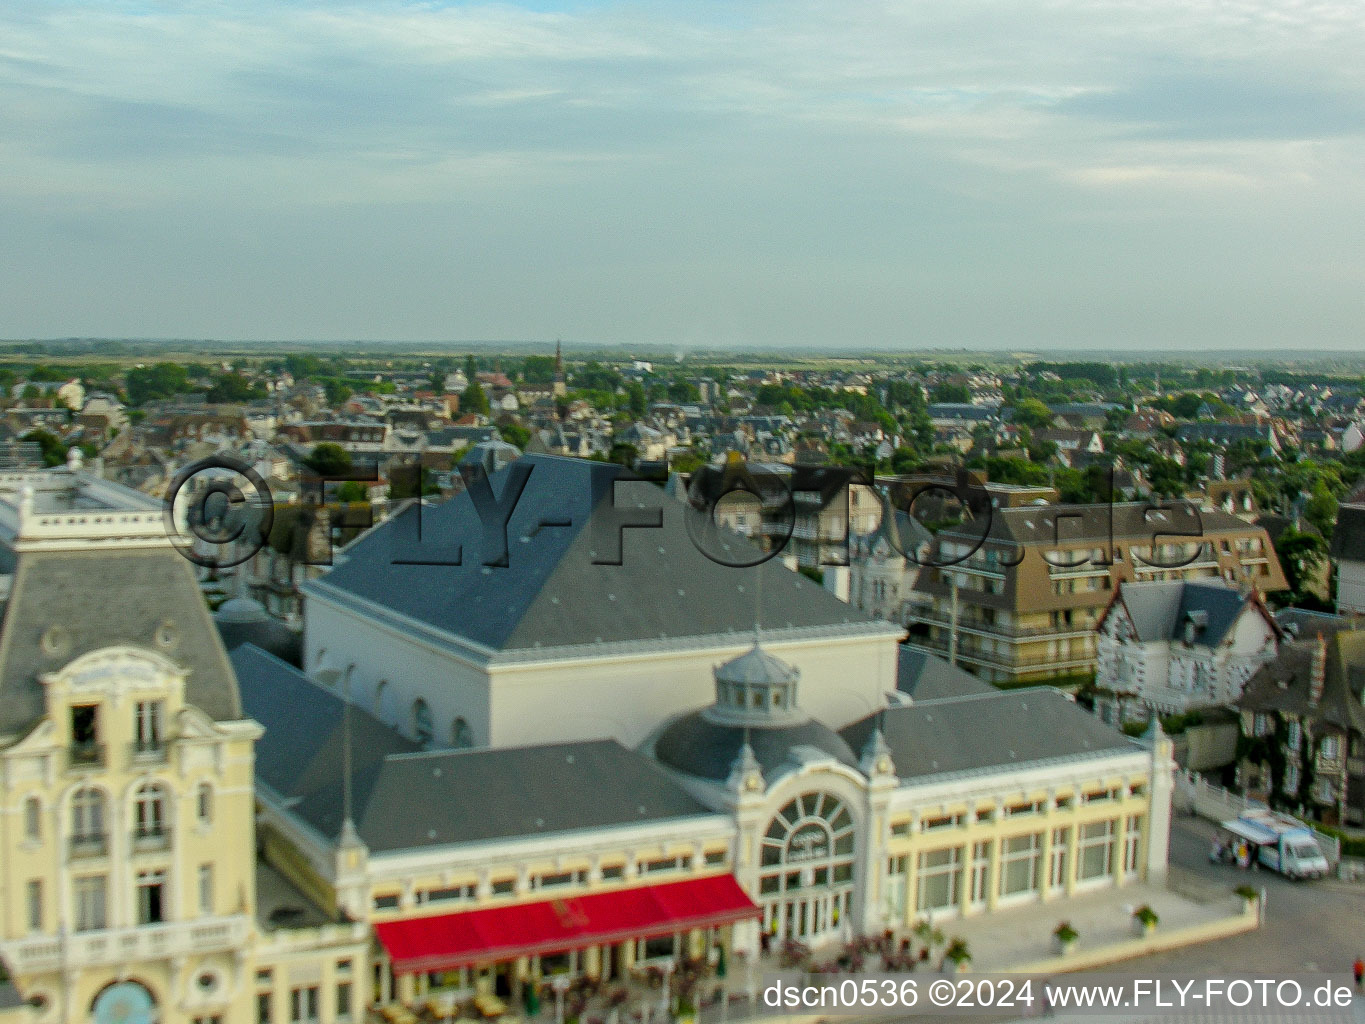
x: 1019, y: 940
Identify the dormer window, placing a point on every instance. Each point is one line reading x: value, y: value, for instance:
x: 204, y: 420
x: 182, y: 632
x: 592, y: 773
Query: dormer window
x: 85, y: 744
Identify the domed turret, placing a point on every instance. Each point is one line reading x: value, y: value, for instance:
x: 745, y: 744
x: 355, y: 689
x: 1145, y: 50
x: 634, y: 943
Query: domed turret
x: 755, y: 718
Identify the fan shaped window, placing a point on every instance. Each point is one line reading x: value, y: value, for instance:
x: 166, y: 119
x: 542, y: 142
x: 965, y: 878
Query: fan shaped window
x: 807, y: 868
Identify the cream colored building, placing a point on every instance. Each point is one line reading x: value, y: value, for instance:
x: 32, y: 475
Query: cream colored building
x: 127, y: 852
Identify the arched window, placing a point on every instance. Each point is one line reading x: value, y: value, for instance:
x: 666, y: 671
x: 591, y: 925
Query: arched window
x: 460, y: 734
x: 421, y: 722
x: 33, y: 819
x: 203, y: 803
x: 149, y: 810
x: 806, y: 868
x: 87, y: 814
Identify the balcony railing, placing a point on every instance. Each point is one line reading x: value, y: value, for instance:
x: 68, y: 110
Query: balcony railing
x: 147, y: 751
x: 91, y: 845
x: 109, y: 947
x: 154, y: 838
x: 86, y: 755
x: 968, y: 621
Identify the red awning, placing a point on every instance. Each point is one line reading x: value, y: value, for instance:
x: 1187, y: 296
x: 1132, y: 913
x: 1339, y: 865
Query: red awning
x: 448, y: 941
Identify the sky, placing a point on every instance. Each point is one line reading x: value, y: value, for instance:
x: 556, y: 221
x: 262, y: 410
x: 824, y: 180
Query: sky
x: 1087, y: 174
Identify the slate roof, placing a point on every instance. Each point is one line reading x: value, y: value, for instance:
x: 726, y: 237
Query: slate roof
x: 698, y: 746
x: 552, y: 594
x: 1348, y: 538
x: 108, y: 598
x: 1003, y: 729
x: 1131, y: 521
x: 925, y: 677
x: 1160, y: 609
x: 1283, y: 684
x: 405, y: 798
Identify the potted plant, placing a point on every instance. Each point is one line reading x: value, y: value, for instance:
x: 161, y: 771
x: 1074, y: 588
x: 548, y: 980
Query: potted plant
x: 1251, y: 898
x: 1146, y: 919
x: 958, y: 955
x: 1066, y: 937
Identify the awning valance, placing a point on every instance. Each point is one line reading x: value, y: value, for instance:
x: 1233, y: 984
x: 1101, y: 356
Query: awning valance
x: 447, y: 941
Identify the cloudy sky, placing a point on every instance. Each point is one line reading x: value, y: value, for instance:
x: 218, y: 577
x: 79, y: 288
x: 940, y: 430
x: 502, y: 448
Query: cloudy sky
x: 1179, y: 174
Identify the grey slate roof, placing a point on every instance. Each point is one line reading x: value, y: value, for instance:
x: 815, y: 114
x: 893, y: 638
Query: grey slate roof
x: 706, y: 749
x: 925, y: 677
x: 106, y: 599
x: 404, y: 798
x: 1004, y: 729
x: 1131, y: 521
x: 552, y: 594
x: 1160, y: 609
x: 1284, y: 684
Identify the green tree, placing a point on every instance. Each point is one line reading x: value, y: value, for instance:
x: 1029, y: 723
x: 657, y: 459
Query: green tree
x: 352, y: 491
x: 538, y: 369
x: 1302, y: 555
x: 515, y: 433
x: 1031, y: 413
x: 328, y: 459
x: 161, y: 380
x: 54, y: 451
x: 474, y: 399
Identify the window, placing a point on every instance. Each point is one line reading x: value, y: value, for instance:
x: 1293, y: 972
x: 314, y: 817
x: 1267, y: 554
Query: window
x: 938, y: 879
x: 448, y: 894
x: 343, y: 1000
x: 1291, y: 777
x: 151, y: 897
x: 461, y: 736
x: 1056, y: 872
x: 149, y: 811
x: 87, y: 814
x: 33, y: 819
x: 206, y: 888
x: 203, y: 803
x: 1018, y: 809
x: 981, y: 872
x: 1329, y: 748
x: 1020, y: 862
x: 714, y: 858
x: 303, y: 1005
x: 504, y: 886
x: 90, y: 902
x: 421, y: 722
x: 147, y: 726
x: 388, y: 901
x: 680, y: 862
x: 263, y: 1008
x: 34, y: 898
x: 611, y: 872
x: 1294, y: 735
x: 84, y: 725
x: 1095, y: 850
x: 560, y: 878
x: 1260, y: 724
x: 945, y: 821
x: 1132, y: 835
x: 900, y: 829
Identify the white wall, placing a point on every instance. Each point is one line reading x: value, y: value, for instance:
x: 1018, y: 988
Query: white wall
x: 595, y: 695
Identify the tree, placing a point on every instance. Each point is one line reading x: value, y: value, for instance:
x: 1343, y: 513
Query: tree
x: 635, y: 398
x: 54, y: 452
x: 474, y: 399
x: 352, y: 491
x: 623, y: 453
x: 538, y: 369
x: 1302, y: 555
x: 515, y: 433
x: 959, y: 393
x: 161, y: 380
x: 233, y: 387
x: 1031, y: 413
x: 328, y: 459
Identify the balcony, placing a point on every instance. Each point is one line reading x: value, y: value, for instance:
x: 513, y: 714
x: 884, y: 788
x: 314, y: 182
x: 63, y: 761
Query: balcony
x: 148, y: 840
x: 93, y: 845
x: 969, y: 622
x: 116, y: 946
x: 147, y: 752
x: 85, y: 756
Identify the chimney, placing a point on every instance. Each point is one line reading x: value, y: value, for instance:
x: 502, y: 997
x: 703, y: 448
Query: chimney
x: 1318, y: 673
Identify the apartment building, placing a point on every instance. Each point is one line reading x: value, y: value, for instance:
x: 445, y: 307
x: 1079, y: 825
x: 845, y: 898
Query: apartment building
x: 1016, y: 593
